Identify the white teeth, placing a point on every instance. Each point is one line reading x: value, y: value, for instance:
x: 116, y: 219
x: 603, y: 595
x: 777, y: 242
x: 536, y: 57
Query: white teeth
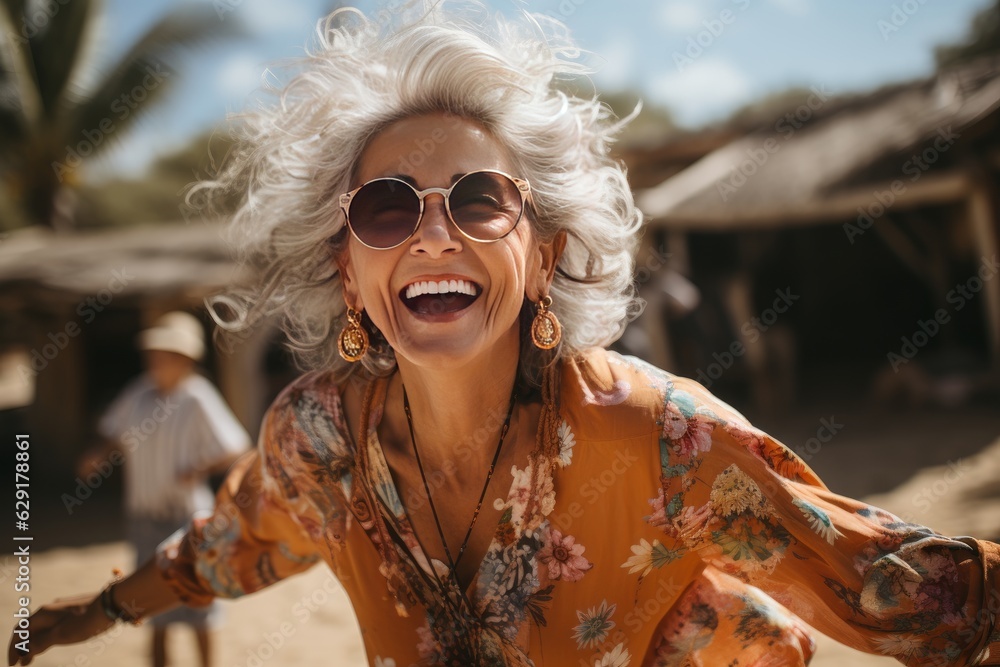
x: 440, y: 287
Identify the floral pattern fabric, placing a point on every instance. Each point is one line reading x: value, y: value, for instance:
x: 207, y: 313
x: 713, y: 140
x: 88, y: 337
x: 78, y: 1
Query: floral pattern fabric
x: 664, y: 530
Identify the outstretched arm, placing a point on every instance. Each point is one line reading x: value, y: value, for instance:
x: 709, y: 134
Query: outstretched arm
x: 72, y: 620
x: 750, y: 507
x: 252, y: 539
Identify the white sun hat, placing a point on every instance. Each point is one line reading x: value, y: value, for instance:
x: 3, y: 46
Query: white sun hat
x: 175, y: 332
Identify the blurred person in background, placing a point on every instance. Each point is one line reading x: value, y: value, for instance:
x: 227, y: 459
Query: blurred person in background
x: 173, y: 430
x: 438, y: 220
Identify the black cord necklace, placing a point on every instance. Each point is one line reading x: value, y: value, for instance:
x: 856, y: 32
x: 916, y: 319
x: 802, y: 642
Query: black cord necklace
x: 496, y: 456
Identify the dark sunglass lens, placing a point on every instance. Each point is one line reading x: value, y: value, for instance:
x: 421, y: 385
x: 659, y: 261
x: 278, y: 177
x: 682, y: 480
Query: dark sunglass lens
x: 485, y: 205
x: 384, y: 213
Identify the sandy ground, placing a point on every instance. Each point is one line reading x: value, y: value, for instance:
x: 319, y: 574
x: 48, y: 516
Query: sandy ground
x: 939, y: 469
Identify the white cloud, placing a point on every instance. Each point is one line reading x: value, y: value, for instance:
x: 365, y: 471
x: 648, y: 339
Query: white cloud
x: 269, y: 17
x: 681, y: 16
x: 796, y: 7
x: 703, y: 91
x: 238, y: 76
x: 618, y: 58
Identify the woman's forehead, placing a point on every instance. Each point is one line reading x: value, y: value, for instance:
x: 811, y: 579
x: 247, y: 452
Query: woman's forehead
x: 431, y: 150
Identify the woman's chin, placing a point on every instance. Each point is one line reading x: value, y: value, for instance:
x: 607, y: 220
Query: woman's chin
x: 455, y: 343
x: 442, y: 353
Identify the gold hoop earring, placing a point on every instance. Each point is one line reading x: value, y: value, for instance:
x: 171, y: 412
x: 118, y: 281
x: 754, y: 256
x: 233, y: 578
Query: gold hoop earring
x: 353, y: 340
x: 546, y: 331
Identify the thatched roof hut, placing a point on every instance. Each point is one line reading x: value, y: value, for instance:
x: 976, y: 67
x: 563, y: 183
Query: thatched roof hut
x: 820, y: 161
x: 71, y: 305
x: 914, y: 165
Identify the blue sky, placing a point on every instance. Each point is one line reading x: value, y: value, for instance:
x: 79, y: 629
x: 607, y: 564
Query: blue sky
x: 700, y: 58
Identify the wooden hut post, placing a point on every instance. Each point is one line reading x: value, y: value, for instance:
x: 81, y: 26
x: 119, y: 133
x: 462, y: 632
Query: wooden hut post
x: 654, y: 320
x: 56, y: 417
x: 240, y: 368
x: 982, y: 217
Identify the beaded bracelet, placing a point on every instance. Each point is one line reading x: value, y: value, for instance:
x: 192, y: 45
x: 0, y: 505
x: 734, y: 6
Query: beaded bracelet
x: 111, y: 609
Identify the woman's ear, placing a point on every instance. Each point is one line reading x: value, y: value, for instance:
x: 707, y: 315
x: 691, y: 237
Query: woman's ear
x: 348, y: 280
x: 548, y: 254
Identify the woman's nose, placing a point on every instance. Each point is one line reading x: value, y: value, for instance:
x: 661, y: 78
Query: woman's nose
x: 435, y: 235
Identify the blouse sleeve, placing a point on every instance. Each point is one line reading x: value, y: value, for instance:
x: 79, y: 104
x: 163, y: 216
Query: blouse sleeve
x: 255, y: 536
x: 749, y: 506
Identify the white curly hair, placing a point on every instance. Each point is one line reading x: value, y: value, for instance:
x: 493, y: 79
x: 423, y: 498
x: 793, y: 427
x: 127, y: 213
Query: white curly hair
x: 300, y: 148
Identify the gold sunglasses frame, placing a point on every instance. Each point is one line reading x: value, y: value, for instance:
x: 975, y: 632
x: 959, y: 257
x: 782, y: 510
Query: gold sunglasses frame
x: 523, y: 187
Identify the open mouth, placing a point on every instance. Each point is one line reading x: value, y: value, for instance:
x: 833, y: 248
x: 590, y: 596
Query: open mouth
x: 430, y: 297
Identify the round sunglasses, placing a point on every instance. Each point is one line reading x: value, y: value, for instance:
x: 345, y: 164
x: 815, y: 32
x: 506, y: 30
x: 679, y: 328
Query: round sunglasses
x: 484, y: 205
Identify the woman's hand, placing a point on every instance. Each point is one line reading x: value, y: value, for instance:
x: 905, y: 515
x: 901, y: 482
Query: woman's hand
x: 63, y: 621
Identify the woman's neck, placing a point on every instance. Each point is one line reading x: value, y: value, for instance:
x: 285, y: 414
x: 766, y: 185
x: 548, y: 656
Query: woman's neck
x: 463, y: 406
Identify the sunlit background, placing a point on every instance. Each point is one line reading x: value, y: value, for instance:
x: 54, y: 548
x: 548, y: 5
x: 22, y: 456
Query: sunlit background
x: 774, y: 45
x: 819, y: 180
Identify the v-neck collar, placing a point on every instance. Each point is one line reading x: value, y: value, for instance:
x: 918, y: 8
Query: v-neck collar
x: 465, y: 621
x: 379, y: 476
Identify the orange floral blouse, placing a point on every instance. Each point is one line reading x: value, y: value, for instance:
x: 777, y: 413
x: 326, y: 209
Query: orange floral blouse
x: 665, y: 530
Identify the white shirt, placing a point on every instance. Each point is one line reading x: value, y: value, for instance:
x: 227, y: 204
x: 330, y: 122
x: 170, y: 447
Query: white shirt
x: 165, y: 437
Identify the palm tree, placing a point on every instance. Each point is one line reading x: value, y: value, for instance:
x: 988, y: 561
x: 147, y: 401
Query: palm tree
x: 983, y: 38
x: 48, y: 126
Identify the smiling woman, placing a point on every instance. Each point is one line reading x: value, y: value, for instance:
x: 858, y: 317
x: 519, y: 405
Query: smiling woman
x: 364, y: 78
x: 450, y: 245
